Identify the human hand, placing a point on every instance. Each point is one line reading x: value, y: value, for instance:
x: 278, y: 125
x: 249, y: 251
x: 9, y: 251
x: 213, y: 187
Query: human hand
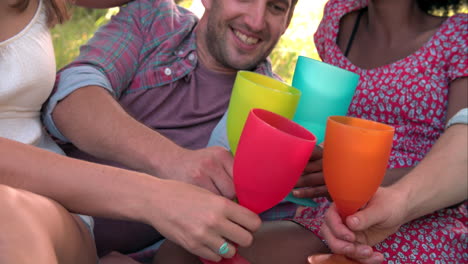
x: 382, y: 217
x: 311, y: 184
x: 330, y: 259
x: 200, y: 221
x: 209, y: 168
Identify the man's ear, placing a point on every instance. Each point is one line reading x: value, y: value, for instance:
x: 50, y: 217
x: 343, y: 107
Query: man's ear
x: 207, y: 3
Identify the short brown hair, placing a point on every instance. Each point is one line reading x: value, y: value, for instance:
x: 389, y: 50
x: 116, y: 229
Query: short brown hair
x: 56, y: 10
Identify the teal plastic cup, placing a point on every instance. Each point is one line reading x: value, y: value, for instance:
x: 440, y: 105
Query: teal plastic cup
x: 326, y: 91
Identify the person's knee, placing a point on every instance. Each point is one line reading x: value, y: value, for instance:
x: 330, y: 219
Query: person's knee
x: 19, y: 230
x: 42, y: 227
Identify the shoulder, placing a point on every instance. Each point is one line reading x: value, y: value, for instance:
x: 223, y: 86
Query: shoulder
x: 338, y: 18
x: 455, y: 25
x: 449, y: 45
x: 338, y: 12
x: 158, y: 13
x: 458, y: 19
x: 339, y: 8
x: 454, y: 32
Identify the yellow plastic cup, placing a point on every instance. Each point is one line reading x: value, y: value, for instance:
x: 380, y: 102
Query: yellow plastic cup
x: 253, y: 90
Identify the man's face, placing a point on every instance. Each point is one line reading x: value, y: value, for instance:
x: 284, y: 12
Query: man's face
x: 242, y: 33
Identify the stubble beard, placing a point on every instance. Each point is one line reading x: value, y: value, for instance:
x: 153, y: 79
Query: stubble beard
x: 218, y: 47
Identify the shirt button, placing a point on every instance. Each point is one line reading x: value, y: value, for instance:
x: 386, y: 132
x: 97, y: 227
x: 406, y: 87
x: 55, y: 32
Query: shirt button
x: 181, y: 52
x: 191, y: 56
x: 167, y: 71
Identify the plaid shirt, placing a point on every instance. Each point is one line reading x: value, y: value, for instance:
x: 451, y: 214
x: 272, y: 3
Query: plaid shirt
x: 148, y: 44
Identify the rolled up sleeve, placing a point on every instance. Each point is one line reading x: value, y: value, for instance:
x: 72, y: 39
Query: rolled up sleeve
x: 70, y: 80
x: 109, y: 59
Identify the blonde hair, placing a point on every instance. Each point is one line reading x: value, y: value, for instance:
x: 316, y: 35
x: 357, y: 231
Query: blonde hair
x: 56, y: 10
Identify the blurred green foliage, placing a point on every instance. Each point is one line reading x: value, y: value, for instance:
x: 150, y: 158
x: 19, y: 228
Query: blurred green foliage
x: 68, y: 37
x: 296, y: 41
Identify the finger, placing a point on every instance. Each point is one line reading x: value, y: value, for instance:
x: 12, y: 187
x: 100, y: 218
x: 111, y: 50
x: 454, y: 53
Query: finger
x: 310, y: 192
x: 206, y: 253
x: 337, y: 227
x: 222, y: 175
x: 376, y: 258
x: 217, y: 244
x: 363, y: 219
x: 317, y: 153
x: 243, y: 218
x: 336, y: 245
x: 225, y: 249
x: 224, y: 184
x: 330, y: 258
x: 228, y: 162
x: 210, y: 185
x: 363, y: 251
x: 235, y: 233
x: 310, y: 180
x: 314, y: 166
x: 364, y: 254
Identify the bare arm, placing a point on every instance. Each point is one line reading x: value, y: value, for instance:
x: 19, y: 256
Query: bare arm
x: 80, y: 186
x: 440, y: 180
x: 96, y: 123
x: 100, y: 126
x: 200, y: 222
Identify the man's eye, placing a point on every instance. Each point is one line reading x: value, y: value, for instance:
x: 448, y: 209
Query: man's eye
x: 278, y: 8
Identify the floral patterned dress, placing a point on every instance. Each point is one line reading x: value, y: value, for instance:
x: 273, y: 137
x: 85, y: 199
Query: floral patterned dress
x: 410, y: 94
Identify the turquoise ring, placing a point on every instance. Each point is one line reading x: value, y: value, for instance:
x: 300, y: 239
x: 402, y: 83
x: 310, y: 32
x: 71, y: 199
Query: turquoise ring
x: 223, y: 249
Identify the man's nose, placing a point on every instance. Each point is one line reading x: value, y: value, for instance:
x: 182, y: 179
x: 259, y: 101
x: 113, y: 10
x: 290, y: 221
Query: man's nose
x: 256, y: 16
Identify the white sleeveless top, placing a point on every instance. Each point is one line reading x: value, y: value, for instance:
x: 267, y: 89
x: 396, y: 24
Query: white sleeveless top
x: 27, y: 76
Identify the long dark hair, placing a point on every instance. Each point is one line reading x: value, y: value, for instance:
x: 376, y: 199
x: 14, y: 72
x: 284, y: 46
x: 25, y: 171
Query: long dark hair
x: 56, y: 10
x: 444, y: 7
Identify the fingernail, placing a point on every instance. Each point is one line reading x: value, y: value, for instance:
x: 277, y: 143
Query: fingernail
x: 295, y: 192
x: 319, y: 258
x: 354, y: 220
x: 366, y: 252
x: 348, y: 249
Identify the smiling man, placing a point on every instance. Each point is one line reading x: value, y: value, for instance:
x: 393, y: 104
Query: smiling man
x: 239, y: 35
x: 147, y: 90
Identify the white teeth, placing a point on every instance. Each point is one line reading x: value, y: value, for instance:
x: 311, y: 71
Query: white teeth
x: 246, y: 39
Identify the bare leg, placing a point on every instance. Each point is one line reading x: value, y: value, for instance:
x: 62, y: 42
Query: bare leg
x: 35, y: 229
x: 276, y: 242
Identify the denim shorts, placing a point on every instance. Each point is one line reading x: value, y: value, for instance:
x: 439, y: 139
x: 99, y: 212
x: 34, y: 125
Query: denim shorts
x: 89, y: 222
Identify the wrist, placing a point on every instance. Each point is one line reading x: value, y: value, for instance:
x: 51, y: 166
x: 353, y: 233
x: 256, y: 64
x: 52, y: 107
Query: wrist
x: 409, y: 198
x: 159, y: 160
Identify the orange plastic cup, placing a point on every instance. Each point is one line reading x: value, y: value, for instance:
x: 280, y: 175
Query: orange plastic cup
x: 355, y: 158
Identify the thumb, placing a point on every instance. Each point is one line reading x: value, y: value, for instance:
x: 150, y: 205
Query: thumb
x: 364, y: 219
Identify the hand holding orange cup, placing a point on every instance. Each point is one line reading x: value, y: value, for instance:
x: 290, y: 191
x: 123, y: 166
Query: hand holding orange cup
x: 355, y: 158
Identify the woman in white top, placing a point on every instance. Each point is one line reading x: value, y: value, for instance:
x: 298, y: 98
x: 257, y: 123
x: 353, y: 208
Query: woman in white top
x: 41, y: 189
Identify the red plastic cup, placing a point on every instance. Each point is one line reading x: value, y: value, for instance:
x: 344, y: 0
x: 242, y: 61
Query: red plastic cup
x: 272, y: 154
